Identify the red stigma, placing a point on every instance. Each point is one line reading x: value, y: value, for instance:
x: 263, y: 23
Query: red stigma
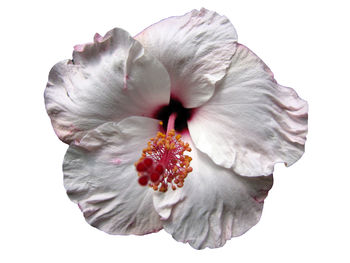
x: 140, y: 167
x: 147, y: 162
x: 143, y: 180
x: 159, y: 169
x: 155, y: 177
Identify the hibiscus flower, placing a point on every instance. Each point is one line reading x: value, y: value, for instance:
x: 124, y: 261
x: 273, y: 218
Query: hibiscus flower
x: 177, y: 128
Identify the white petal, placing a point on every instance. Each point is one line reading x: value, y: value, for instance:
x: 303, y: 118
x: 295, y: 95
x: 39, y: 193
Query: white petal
x: 108, y: 80
x: 214, y: 204
x: 251, y: 122
x: 100, y: 176
x: 196, y: 49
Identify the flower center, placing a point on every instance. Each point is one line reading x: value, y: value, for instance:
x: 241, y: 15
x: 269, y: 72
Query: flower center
x: 163, y: 162
x: 183, y: 115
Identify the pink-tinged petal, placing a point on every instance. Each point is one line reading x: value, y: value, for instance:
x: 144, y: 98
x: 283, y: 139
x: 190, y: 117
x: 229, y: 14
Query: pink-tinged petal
x: 108, y: 80
x: 251, y: 122
x: 196, y: 49
x: 214, y: 205
x: 100, y: 176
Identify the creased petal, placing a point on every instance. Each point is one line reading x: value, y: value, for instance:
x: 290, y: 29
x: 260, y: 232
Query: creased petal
x: 108, y: 80
x: 196, y: 49
x: 100, y: 176
x: 251, y: 122
x: 214, y: 204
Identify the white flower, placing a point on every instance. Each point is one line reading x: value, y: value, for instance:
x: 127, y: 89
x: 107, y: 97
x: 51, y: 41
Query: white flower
x: 190, y: 73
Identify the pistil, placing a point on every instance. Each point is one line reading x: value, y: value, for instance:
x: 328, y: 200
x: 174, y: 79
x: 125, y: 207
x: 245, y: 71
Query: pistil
x: 163, y: 163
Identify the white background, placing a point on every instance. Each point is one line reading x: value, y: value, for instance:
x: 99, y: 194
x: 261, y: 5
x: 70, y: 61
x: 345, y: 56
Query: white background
x: 306, y: 215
